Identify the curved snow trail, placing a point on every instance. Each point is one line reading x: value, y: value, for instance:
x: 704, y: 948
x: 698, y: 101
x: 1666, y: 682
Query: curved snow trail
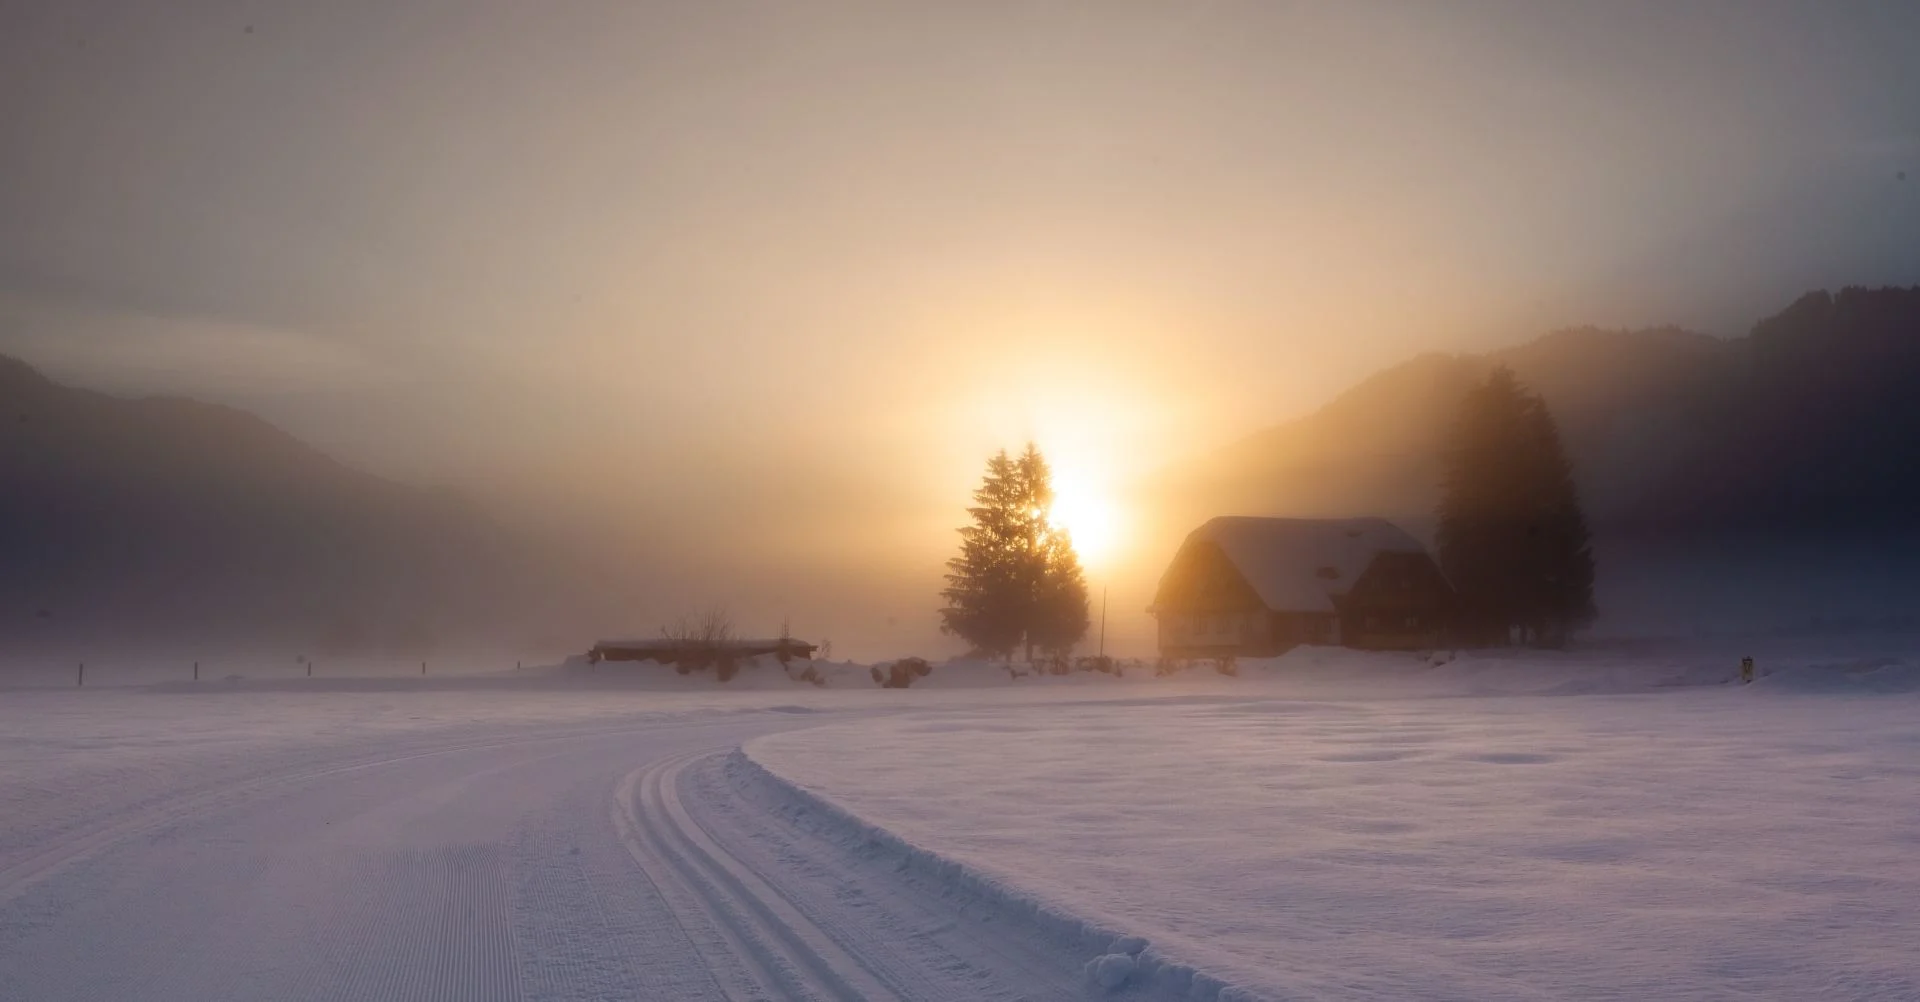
x: 614, y: 861
x: 789, y: 956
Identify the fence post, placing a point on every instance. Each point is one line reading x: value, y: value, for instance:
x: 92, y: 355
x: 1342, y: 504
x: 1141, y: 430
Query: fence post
x: 309, y: 667
x: 83, y: 675
x: 423, y: 667
x: 196, y: 671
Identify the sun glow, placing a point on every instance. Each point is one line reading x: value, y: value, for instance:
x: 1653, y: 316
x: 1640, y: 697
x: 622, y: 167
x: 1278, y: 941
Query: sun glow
x: 1088, y: 514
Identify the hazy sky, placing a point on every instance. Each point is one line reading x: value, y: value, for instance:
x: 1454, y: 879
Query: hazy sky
x: 784, y: 273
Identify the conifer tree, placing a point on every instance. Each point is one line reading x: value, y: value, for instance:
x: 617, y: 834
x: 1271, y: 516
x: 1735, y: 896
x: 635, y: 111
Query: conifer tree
x: 1512, y: 537
x: 1016, y: 582
x: 1059, y: 614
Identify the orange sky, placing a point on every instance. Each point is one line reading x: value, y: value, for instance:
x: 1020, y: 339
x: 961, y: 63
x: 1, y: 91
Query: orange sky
x: 547, y: 251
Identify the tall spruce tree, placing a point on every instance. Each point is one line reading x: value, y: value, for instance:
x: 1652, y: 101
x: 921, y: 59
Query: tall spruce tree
x: 1017, y: 582
x: 1512, y: 537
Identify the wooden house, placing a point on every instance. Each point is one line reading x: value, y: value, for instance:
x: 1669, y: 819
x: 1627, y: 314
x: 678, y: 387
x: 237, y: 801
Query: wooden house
x: 1256, y: 587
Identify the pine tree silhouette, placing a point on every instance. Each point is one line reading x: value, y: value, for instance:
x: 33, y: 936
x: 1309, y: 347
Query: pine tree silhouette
x: 1017, y: 582
x: 1512, y: 537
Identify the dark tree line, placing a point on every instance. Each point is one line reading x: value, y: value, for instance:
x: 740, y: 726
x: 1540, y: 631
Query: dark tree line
x: 1512, y: 538
x: 1017, y: 582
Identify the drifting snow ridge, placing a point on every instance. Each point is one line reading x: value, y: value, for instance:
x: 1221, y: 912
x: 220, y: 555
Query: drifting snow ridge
x: 985, y: 922
x: 778, y: 911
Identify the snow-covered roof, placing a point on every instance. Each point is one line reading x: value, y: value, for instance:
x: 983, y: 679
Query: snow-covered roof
x: 1301, y: 564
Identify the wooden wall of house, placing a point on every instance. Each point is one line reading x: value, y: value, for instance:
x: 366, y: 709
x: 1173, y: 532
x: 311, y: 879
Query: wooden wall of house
x: 1205, y: 608
x: 1401, y: 602
x: 1214, y: 634
x: 1291, y: 629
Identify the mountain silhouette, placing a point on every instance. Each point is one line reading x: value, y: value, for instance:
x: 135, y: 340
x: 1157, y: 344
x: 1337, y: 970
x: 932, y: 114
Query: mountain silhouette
x: 164, y: 521
x: 1794, y: 450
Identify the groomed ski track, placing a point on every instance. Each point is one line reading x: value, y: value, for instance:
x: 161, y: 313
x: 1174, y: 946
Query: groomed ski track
x: 642, y: 861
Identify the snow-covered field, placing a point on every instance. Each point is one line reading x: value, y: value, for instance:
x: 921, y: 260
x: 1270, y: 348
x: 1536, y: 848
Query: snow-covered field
x: 1617, y: 823
x: 1699, y: 842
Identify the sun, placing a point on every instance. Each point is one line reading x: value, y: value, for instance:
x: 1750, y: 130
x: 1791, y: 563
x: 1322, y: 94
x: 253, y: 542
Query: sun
x: 1088, y: 514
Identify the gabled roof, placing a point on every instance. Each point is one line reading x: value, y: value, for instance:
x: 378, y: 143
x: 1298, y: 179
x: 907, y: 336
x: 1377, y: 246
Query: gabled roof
x: 1302, y: 564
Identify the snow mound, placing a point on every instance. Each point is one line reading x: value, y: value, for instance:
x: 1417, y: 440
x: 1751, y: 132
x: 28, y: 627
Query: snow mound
x: 1111, y: 971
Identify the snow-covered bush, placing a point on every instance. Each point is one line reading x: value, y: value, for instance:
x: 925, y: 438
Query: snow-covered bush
x: 901, y: 673
x: 1100, y: 663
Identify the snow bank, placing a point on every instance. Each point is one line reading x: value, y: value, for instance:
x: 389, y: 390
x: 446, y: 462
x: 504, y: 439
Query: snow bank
x: 1861, y: 676
x: 1118, y: 960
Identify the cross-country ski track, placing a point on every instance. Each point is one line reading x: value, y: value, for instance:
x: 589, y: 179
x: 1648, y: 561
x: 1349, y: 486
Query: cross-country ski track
x: 609, y: 861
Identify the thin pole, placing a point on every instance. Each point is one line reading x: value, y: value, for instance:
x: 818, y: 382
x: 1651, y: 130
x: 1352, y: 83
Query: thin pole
x: 1103, y: 620
x: 423, y: 667
x: 83, y: 675
x: 196, y: 671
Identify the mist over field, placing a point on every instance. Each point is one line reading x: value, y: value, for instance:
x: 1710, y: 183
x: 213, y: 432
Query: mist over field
x: 1736, y: 485
x: 636, y: 310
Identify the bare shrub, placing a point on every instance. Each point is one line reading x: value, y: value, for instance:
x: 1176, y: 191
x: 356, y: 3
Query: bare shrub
x: 700, y: 642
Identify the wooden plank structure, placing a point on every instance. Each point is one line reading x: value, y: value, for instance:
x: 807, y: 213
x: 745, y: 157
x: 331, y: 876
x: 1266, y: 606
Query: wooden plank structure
x: 667, y: 651
x: 1257, y: 587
